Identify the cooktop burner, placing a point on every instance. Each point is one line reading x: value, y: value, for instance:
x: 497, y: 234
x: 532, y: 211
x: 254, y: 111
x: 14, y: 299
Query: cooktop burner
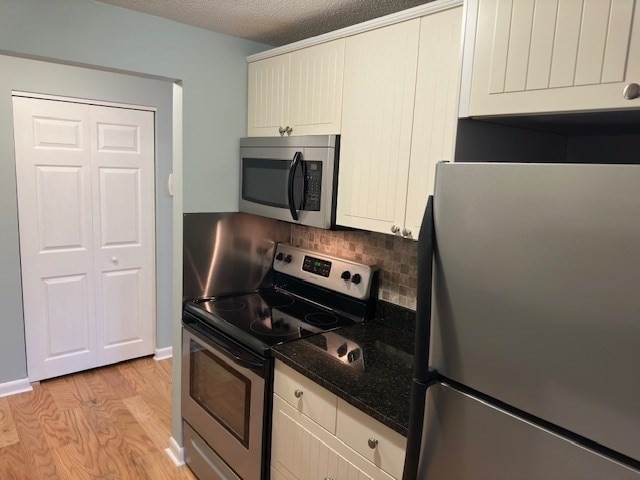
x: 321, y: 319
x: 273, y: 299
x: 229, y: 305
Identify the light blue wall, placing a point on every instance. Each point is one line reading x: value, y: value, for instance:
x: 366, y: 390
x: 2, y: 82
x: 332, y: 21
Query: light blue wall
x: 212, y: 70
x: 211, y: 66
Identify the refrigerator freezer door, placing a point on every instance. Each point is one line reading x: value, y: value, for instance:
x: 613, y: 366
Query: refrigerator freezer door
x: 467, y: 440
x: 537, y: 291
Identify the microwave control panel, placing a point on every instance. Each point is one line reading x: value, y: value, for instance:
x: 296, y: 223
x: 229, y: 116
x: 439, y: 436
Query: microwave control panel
x: 313, y: 185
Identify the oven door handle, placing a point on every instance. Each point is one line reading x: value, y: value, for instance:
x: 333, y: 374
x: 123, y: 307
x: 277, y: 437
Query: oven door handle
x: 224, y: 349
x: 292, y: 175
x: 243, y: 362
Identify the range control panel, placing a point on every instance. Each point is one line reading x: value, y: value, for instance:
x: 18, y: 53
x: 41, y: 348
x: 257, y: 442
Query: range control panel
x: 337, y: 274
x: 316, y: 265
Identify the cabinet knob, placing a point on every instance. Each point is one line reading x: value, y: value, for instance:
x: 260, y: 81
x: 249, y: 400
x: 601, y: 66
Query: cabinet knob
x: 372, y: 442
x: 406, y: 232
x: 288, y: 130
x: 114, y: 260
x: 298, y: 393
x: 282, y: 131
x: 631, y: 91
x: 395, y: 229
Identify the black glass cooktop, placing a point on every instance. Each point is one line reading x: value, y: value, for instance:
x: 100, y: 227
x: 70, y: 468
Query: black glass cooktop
x: 267, y: 318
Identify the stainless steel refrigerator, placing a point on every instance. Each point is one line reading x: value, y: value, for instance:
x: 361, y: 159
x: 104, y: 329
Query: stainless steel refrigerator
x: 528, y: 353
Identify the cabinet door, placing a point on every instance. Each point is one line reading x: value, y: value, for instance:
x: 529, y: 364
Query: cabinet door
x: 304, y: 456
x: 316, y: 89
x: 435, y: 114
x: 554, y: 55
x: 377, y: 116
x: 268, y: 96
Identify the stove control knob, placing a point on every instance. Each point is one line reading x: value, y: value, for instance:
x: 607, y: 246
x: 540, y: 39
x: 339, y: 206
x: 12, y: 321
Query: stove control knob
x: 346, y: 275
x: 356, y: 279
x: 280, y: 256
x: 287, y: 259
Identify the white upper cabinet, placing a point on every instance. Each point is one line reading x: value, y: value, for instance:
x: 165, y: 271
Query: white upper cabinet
x: 315, y: 100
x: 399, y: 120
x: 534, y: 56
x: 377, y: 116
x: 298, y: 93
x: 435, y: 115
x: 268, y: 96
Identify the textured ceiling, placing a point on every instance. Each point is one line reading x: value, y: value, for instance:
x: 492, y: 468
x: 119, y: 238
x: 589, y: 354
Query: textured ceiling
x: 274, y: 22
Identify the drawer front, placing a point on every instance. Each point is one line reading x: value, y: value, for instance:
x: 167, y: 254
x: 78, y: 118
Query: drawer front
x: 306, y: 396
x: 356, y: 428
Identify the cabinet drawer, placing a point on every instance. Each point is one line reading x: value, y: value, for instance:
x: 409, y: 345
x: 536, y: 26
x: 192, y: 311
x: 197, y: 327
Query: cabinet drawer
x: 356, y: 428
x: 306, y: 396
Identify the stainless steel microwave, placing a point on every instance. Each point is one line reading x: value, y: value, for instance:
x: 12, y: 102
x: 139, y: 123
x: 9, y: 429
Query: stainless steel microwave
x: 290, y: 178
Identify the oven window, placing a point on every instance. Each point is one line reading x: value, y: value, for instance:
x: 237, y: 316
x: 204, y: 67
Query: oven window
x: 265, y: 181
x: 223, y: 392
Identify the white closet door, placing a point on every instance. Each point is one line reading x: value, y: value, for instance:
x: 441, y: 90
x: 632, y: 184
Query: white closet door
x: 123, y: 212
x: 56, y: 235
x: 75, y: 206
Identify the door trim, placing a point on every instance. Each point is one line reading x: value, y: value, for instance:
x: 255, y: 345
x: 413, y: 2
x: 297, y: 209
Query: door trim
x: 165, y: 352
x: 84, y: 101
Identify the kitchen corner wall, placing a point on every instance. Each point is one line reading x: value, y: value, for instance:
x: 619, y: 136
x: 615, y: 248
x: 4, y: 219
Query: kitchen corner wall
x: 396, y: 257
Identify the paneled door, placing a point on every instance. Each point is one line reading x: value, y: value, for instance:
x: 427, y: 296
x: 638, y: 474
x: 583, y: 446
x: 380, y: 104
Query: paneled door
x: 377, y: 114
x: 85, y: 177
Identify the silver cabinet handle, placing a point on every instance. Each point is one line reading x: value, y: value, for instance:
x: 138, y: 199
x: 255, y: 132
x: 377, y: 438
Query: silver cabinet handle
x: 288, y: 130
x: 298, y: 393
x: 631, y: 91
x: 114, y: 260
x: 395, y: 229
x: 281, y: 130
x: 372, y: 442
x: 406, y: 232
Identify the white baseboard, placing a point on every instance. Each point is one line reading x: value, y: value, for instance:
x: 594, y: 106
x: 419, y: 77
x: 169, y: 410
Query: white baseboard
x: 175, y: 452
x: 162, y: 353
x: 17, y: 386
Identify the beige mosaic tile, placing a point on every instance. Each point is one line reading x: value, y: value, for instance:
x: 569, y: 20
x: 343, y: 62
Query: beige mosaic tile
x: 396, y: 257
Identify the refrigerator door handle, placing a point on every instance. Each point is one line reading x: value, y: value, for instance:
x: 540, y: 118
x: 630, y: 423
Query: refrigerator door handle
x: 422, y: 376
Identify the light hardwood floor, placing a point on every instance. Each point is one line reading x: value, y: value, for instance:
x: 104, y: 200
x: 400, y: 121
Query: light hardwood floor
x: 109, y: 423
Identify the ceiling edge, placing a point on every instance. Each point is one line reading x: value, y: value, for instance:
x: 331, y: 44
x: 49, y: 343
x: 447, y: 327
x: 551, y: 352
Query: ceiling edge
x: 404, y: 15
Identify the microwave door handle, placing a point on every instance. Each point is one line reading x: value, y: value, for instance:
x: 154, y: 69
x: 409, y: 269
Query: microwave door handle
x: 292, y: 175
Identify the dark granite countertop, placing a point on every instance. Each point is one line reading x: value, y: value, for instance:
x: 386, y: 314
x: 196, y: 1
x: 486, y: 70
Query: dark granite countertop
x: 374, y: 372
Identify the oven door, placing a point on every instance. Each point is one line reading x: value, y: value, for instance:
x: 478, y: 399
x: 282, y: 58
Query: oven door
x: 223, y: 400
x: 291, y: 184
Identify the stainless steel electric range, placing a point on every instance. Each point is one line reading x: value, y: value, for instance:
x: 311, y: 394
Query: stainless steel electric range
x: 227, y: 369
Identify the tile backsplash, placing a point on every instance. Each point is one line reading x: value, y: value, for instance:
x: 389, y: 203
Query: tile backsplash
x: 396, y: 257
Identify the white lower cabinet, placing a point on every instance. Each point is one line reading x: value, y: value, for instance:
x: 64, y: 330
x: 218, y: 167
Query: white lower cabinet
x: 302, y: 449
